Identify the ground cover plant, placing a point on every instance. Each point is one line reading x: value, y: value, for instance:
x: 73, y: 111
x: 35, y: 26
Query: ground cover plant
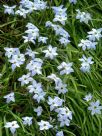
x: 51, y: 68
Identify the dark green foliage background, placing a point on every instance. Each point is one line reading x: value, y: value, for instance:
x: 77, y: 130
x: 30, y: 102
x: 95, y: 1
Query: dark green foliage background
x: 79, y: 84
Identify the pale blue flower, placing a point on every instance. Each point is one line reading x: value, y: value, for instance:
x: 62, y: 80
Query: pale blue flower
x: 60, y: 133
x: 95, y: 34
x: 42, y: 39
x: 12, y: 125
x: 64, y: 41
x: 73, y: 1
x: 38, y: 110
x: 86, y: 62
x: 54, y: 102
x: 10, y: 97
x: 87, y: 44
x: 25, y: 79
x: 9, y: 10
x: 50, y: 52
x: 61, y: 88
x: 95, y: 107
x: 27, y: 120
x: 44, y: 125
x: 83, y: 16
x: 35, y: 87
x: 65, y: 68
x: 39, y: 96
x: 88, y: 97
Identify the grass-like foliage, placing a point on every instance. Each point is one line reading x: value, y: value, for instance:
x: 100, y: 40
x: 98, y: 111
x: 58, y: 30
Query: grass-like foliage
x: 51, y: 68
